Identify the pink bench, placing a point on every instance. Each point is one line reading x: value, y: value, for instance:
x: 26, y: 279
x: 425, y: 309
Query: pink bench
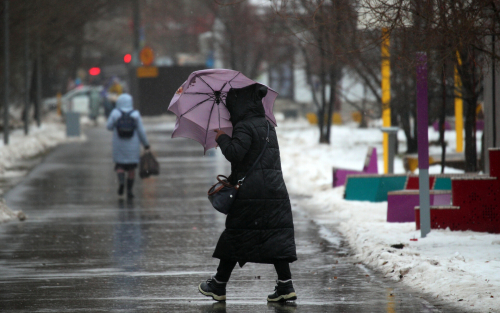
x: 401, y: 204
x: 370, y: 167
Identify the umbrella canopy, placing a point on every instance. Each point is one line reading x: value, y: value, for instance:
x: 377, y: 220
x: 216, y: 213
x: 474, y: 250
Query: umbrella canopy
x: 200, y: 104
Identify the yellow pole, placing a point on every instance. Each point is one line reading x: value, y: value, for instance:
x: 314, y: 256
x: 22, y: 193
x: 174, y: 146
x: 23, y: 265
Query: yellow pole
x: 59, y: 102
x: 386, y: 94
x: 391, y: 304
x: 459, y: 117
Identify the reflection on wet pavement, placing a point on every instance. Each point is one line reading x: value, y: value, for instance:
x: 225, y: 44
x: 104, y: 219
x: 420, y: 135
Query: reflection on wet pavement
x: 84, y: 250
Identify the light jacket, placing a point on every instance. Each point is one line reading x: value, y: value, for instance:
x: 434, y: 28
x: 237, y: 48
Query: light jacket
x: 126, y: 150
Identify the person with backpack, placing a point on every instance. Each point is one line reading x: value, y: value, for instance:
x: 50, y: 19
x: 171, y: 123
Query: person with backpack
x: 128, y: 134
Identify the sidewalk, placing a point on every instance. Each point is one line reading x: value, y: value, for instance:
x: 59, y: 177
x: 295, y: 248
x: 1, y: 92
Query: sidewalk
x: 460, y: 268
x: 85, y: 249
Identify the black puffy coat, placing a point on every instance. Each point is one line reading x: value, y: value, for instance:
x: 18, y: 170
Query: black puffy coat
x: 259, y: 226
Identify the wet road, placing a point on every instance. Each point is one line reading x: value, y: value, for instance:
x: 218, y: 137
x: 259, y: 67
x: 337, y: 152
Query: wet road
x: 84, y: 250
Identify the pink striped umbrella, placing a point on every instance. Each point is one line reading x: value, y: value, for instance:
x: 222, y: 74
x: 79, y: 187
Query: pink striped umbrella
x: 200, y: 104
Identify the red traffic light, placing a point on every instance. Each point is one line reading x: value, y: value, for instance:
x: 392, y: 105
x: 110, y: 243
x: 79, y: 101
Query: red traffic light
x: 95, y: 71
x: 127, y: 58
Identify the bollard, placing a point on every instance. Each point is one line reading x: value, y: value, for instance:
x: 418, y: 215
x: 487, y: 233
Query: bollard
x: 72, y: 124
x: 392, y: 133
x: 59, y: 103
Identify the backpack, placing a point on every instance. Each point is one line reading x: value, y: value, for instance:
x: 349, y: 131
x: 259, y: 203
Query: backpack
x: 126, y: 125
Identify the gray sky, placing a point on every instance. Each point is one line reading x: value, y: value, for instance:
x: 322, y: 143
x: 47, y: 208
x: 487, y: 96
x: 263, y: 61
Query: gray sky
x: 260, y: 2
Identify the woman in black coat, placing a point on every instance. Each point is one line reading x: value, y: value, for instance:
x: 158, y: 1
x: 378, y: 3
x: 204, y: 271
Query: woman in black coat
x: 259, y: 226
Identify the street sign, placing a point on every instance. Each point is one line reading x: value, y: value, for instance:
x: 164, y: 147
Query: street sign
x: 147, y: 72
x: 147, y: 56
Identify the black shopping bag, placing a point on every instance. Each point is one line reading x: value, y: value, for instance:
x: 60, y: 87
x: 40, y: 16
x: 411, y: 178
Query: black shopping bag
x: 148, y: 165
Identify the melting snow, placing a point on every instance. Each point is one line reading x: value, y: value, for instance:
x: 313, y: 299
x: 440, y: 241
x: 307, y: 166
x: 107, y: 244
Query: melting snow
x: 448, y: 265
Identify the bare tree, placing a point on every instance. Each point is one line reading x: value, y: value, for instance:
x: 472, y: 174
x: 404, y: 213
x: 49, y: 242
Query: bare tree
x: 322, y: 30
x: 244, y: 35
x: 444, y: 29
x: 59, y: 24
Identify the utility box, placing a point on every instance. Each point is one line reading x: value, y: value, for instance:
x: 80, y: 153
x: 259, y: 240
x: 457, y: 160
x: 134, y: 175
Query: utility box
x: 72, y: 124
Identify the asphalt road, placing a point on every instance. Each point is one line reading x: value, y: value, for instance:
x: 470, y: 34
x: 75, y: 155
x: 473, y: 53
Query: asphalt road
x: 82, y: 249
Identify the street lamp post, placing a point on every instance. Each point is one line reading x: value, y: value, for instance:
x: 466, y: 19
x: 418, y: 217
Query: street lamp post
x: 7, y: 74
x: 137, y: 32
x: 38, y: 79
x: 27, y: 78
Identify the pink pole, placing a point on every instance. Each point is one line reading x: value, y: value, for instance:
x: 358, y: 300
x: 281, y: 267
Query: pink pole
x: 423, y: 144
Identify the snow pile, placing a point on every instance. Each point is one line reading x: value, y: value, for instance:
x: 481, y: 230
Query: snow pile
x: 458, y: 267
x: 39, y: 140
x: 7, y: 214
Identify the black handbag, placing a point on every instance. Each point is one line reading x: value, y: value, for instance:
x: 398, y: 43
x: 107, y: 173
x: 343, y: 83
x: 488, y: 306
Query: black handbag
x: 223, y: 194
x: 148, y: 165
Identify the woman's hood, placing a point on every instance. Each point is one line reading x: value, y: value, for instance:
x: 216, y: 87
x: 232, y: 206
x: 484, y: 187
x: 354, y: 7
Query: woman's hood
x: 125, y: 102
x: 246, y: 102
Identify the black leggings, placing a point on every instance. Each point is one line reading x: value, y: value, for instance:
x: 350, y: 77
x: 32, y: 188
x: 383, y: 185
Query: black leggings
x: 226, y: 267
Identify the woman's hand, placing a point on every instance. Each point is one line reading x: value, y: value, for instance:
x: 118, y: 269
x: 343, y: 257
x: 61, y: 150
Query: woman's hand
x: 219, y: 132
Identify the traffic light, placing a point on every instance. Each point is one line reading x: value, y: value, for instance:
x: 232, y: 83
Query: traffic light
x: 127, y: 58
x: 95, y: 71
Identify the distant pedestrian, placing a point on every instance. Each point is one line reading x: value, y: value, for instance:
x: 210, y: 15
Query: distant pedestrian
x: 128, y: 134
x: 259, y: 226
x: 95, y: 105
x: 108, y: 106
x: 116, y: 87
x: 70, y: 85
x: 115, y: 90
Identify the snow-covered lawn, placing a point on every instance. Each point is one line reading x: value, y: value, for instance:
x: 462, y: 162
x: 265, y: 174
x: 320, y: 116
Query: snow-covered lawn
x: 457, y: 267
x: 40, y: 139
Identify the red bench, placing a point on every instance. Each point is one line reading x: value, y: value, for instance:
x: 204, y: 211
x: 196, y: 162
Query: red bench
x: 475, y: 203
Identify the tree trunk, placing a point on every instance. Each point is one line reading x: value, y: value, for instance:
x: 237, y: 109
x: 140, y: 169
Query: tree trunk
x: 321, y: 113
x: 467, y: 75
x: 470, y: 137
x: 333, y: 95
x: 363, y: 123
x: 411, y: 143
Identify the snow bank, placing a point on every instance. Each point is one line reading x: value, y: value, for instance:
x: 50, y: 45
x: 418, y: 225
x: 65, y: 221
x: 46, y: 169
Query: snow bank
x: 7, y: 214
x: 457, y: 267
x: 40, y: 139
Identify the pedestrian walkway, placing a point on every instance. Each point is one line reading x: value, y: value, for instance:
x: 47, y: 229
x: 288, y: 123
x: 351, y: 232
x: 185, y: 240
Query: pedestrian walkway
x: 84, y: 250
